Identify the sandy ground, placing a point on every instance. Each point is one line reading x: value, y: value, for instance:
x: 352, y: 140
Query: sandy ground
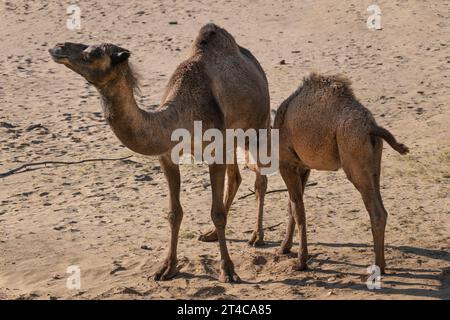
x: 109, y: 218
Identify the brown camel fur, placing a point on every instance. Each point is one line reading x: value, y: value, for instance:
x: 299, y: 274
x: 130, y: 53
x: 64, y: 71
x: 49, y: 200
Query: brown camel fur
x: 220, y: 84
x: 324, y: 127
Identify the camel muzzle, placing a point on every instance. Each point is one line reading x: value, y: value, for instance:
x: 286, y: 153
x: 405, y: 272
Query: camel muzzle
x: 64, y: 50
x: 57, y: 53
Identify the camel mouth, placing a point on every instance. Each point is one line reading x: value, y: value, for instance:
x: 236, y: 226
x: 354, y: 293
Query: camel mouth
x: 57, y: 55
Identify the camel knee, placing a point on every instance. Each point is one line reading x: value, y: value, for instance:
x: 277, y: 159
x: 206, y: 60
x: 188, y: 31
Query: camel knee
x: 377, y: 212
x: 381, y: 217
x: 175, y: 216
x: 219, y: 218
x: 378, y: 221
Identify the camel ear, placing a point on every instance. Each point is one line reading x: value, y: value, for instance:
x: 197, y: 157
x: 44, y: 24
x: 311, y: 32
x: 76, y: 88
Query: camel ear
x: 118, y: 57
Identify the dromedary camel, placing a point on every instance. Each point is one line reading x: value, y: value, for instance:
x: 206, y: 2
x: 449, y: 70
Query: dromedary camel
x: 324, y: 127
x: 220, y: 84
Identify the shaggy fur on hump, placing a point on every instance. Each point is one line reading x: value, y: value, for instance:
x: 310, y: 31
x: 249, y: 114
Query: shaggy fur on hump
x: 336, y: 85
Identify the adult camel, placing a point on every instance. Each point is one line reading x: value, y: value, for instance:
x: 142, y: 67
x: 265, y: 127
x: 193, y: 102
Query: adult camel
x: 221, y: 84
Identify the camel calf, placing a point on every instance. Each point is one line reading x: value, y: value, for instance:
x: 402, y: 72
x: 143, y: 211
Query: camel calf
x: 324, y: 127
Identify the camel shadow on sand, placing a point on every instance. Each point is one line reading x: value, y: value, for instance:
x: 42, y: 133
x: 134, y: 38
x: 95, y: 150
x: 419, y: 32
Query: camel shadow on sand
x: 416, y: 280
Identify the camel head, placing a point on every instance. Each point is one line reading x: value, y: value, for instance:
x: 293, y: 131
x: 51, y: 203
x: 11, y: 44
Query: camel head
x: 98, y: 64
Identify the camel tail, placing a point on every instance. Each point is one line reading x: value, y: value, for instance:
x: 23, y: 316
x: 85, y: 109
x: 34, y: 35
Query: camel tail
x: 389, y: 138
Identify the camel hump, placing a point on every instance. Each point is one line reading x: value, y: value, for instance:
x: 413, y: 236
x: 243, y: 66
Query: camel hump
x: 211, y: 37
x: 247, y: 53
x: 335, y: 84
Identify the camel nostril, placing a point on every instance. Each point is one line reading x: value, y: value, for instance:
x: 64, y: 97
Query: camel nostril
x: 57, y: 52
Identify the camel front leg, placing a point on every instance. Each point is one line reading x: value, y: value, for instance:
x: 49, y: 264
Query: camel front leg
x: 219, y: 217
x: 172, y: 172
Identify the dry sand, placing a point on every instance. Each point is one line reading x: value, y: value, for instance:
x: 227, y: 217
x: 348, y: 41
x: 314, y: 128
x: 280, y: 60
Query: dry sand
x: 110, y: 218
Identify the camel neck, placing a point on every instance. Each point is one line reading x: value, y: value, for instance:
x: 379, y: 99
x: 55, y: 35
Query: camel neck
x: 143, y: 132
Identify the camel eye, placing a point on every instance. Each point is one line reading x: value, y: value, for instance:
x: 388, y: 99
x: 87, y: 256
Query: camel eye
x: 96, y: 53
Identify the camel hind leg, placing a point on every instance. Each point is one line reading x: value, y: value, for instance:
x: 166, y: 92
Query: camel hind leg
x: 286, y: 245
x: 233, y: 182
x: 257, y: 238
x: 362, y: 167
x: 219, y: 218
x: 295, y: 188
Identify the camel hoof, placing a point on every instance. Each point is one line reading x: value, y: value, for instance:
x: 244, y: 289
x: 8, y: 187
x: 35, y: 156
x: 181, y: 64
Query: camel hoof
x: 256, y: 240
x: 257, y: 243
x: 210, y: 236
x: 229, y: 277
x: 302, y: 266
x: 227, y: 274
x: 284, y: 250
x: 166, y: 272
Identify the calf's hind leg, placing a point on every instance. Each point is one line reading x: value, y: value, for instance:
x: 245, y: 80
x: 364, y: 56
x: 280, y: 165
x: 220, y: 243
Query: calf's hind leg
x: 294, y: 185
x: 286, y: 245
x: 363, y: 170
